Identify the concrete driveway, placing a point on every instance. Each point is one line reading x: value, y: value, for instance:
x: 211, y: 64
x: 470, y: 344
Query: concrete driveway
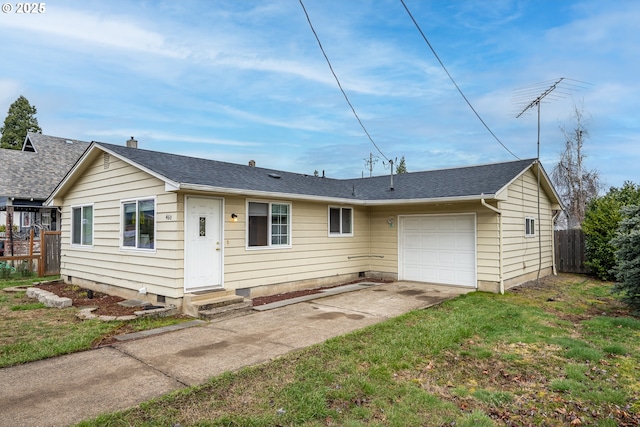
x: 69, y: 389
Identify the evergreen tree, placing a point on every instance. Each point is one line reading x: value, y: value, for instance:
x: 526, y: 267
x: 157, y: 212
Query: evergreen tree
x: 627, y: 269
x: 21, y: 118
x: 401, y: 167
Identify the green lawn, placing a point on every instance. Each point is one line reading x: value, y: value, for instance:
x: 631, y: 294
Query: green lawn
x: 30, y: 331
x: 561, y: 353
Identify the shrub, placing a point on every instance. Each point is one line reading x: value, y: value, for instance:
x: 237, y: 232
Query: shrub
x: 24, y: 269
x: 627, y: 268
x: 600, y: 224
x: 5, y: 270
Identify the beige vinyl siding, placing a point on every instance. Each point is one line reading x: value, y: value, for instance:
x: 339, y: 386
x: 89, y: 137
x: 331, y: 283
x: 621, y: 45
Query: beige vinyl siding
x: 159, y: 270
x: 313, y: 254
x: 521, y: 254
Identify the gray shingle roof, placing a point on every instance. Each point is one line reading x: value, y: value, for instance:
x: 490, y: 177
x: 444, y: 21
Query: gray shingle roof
x: 27, y: 174
x: 444, y: 183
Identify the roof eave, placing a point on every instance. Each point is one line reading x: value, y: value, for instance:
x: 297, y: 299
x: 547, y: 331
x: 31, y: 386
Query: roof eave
x: 433, y: 200
x: 314, y: 198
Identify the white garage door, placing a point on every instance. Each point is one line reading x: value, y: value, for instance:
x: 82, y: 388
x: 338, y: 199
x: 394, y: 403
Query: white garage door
x: 438, y: 249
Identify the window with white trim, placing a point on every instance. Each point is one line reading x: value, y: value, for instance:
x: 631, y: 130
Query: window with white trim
x: 340, y: 221
x: 138, y: 228
x: 269, y: 224
x: 529, y: 227
x: 82, y: 225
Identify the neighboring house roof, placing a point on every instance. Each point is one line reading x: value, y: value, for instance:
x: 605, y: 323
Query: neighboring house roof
x: 189, y: 173
x: 34, y: 172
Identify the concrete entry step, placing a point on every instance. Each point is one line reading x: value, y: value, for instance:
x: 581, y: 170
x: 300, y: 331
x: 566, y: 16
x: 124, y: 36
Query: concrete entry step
x: 223, y: 312
x: 215, y: 302
x: 205, y: 295
x: 211, y: 303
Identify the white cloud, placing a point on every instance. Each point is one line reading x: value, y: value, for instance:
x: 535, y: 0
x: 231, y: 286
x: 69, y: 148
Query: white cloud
x: 73, y: 25
x: 143, y: 134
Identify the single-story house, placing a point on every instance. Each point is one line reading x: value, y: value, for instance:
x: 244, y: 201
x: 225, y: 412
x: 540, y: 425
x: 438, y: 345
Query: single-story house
x: 167, y: 227
x: 28, y: 177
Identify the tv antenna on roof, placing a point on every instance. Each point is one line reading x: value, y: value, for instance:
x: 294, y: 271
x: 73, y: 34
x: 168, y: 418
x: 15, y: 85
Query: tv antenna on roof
x: 552, y: 90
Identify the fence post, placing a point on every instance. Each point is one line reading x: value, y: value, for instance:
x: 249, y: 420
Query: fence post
x: 31, y: 237
x: 43, y: 254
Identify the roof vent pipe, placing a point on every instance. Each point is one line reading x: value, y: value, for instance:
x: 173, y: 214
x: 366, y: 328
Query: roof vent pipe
x: 252, y: 163
x: 132, y: 143
x: 391, y: 163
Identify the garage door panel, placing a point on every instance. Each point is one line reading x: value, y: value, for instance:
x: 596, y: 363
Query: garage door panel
x: 447, y: 241
x: 446, y: 259
x: 446, y: 225
x: 413, y: 240
x: 427, y: 225
x: 428, y: 257
x: 438, y: 249
x: 429, y: 241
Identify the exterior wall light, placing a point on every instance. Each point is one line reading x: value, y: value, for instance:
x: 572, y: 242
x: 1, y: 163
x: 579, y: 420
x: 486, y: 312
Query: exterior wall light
x: 234, y: 217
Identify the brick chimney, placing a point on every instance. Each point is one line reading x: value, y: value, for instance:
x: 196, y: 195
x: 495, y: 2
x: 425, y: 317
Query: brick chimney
x: 252, y: 163
x: 132, y: 143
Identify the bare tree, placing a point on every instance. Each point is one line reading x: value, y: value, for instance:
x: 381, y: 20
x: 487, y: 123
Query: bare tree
x: 575, y: 184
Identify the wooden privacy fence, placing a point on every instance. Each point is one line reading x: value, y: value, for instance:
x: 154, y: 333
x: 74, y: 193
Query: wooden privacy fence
x: 570, y: 251
x: 48, y: 256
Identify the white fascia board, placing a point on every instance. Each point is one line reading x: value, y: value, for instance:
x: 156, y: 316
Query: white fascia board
x: 62, y: 184
x: 425, y: 201
x: 546, y: 183
x: 522, y: 172
x: 337, y: 200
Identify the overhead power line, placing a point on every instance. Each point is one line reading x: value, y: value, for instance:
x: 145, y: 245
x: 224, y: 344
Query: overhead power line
x: 339, y: 85
x: 453, y: 81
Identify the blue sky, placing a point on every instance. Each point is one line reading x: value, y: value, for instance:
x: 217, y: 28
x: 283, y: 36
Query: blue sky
x: 240, y: 80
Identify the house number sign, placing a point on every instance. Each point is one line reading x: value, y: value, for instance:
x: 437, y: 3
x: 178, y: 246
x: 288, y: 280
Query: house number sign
x: 203, y: 226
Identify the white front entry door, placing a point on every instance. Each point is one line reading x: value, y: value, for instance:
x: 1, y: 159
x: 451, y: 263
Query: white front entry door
x: 202, y: 244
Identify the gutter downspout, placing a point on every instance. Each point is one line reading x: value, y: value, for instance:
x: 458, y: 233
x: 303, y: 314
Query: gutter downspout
x: 500, y: 260
x: 553, y: 243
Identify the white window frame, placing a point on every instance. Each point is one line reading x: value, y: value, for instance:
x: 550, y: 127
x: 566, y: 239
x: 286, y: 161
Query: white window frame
x: 45, y: 219
x: 137, y: 247
x: 269, y: 245
x: 529, y: 226
x: 93, y: 211
x: 340, y: 233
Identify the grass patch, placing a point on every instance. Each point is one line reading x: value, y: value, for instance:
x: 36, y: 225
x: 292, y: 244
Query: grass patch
x: 27, y: 306
x: 30, y: 331
x: 479, y: 360
x: 21, y: 281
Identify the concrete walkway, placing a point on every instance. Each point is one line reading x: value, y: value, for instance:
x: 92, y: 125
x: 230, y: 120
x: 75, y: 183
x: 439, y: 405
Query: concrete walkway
x: 68, y: 389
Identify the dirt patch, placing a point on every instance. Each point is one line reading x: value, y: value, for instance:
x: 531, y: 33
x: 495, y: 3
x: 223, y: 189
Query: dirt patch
x: 107, y: 304
x: 280, y: 297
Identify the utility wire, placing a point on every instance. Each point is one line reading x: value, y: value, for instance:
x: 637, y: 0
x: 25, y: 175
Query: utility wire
x: 338, y: 81
x: 453, y: 81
